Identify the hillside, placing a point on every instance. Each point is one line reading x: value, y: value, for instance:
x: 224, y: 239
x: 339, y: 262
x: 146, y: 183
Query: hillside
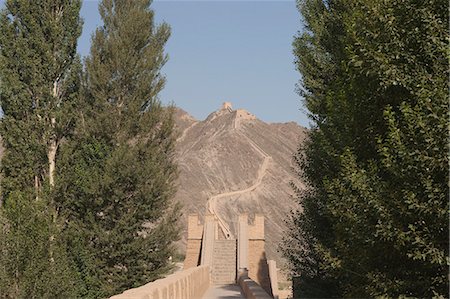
x: 234, y: 163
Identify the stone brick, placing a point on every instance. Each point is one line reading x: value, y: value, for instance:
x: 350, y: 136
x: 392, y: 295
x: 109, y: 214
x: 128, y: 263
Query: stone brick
x: 257, y: 264
x: 194, y: 242
x: 193, y: 248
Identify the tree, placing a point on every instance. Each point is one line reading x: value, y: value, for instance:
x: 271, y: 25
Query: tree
x: 374, y: 216
x: 38, y: 90
x: 28, y: 269
x: 119, y: 171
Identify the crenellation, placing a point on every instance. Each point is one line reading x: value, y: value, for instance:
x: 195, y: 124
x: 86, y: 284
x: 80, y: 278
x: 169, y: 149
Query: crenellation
x: 195, y: 228
x: 242, y: 114
x: 256, y: 229
x: 250, y: 253
x: 194, y: 242
x: 227, y: 106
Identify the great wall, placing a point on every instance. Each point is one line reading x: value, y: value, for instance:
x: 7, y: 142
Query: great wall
x: 218, y: 267
x: 226, y: 256
x: 212, y: 201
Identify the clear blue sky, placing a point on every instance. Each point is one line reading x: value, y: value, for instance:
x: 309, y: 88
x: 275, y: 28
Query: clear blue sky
x: 236, y: 51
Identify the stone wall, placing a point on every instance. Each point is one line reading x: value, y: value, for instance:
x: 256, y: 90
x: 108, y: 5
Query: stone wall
x: 245, y: 115
x: 251, y: 289
x: 252, y: 249
x: 187, y: 284
x: 257, y: 262
x: 194, y: 242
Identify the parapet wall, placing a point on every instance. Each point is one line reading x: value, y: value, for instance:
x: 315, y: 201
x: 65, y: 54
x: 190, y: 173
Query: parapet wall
x: 257, y: 262
x: 187, y: 284
x: 194, y: 242
x: 251, y: 289
x: 227, y: 106
x: 244, y: 114
x: 251, y: 248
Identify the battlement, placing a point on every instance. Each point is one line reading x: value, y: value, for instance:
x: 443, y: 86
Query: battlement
x: 204, y: 247
x: 227, y: 106
x: 242, y: 114
x: 195, y: 228
x: 255, y: 229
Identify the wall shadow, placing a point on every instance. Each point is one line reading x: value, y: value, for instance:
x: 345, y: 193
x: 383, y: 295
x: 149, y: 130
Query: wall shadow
x: 263, y: 278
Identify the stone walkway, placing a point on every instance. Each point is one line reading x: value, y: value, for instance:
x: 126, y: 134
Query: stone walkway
x: 229, y: 291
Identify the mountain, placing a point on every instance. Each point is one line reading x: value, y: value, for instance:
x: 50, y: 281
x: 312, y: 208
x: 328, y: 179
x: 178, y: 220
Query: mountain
x: 233, y: 163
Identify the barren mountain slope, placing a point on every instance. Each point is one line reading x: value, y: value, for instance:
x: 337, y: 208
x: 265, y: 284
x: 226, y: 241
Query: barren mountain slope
x: 239, y: 164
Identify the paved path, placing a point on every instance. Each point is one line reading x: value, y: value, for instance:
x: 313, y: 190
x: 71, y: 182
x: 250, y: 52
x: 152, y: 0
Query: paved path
x: 229, y: 291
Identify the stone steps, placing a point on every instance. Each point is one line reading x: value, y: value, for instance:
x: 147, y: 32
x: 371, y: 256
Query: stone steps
x: 224, y: 262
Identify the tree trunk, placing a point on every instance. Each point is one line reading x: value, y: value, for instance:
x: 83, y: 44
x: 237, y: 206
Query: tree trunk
x: 51, y: 162
x: 36, y: 186
x: 52, y: 148
x: 53, y: 145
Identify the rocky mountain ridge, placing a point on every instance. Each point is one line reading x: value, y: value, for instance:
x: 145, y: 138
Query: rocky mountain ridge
x: 233, y: 163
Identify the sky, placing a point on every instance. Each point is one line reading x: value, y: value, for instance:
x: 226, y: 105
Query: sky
x: 234, y: 51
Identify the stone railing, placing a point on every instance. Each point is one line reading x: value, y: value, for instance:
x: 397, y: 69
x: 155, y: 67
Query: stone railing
x: 188, y: 284
x: 273, y: 276
x: 251, y: 289
x: 252, y: 255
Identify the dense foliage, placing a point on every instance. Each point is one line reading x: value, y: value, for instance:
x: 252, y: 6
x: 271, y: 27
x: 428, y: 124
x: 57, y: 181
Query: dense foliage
x: 118, y: 172
x: 88, y: 171
x: 33, y: 254
x: 374, y: 217
x: 39, y: 85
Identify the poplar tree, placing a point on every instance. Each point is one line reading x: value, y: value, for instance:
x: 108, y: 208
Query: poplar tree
x: 373, y: 221
x: 119, y: 170
x: 39, y: 81
x: 38, y: 88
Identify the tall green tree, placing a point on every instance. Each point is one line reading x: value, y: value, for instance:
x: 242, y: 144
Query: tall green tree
x: 119, y: 170
x: 39, y: 81
x: 374, y: 218
x: 28, y: 269
x: 38, y: 88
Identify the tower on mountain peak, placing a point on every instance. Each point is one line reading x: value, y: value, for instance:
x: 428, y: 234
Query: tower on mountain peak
x: 227, y: 106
